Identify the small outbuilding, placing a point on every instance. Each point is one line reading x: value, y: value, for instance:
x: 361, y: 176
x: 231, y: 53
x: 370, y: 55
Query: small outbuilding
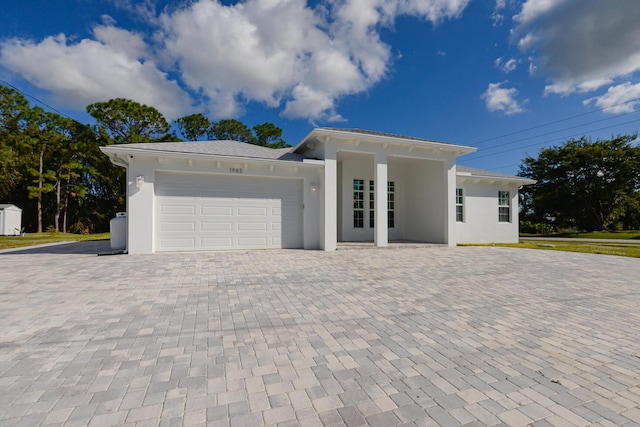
x: 10, y: 220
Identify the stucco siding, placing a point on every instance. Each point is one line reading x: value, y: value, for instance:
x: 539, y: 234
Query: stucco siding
x: 480, y: 224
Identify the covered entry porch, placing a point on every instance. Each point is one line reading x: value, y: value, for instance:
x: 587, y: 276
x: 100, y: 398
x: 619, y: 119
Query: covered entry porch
x: 412, y: 204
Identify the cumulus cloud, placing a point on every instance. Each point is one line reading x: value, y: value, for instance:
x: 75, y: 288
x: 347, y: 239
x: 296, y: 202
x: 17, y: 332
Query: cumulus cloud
x: 506, y: 66
x: 499, y: 98
x: 583, y: 47
x: 285, y: 54
x: 622, y: 98
x: 112, y: 65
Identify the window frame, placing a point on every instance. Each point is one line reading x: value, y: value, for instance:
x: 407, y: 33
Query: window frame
x: 372, y: 204
x: 504, y: 206
x: 391, y: 204
x: 460, y: 217
x: 358, y: 203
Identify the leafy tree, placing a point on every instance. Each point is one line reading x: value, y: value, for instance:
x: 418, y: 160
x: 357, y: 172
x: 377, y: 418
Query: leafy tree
x: 127, y: 121
x: 193, y: 127
x: 232, y: 130
x: 14, y: 109
x: 269, y: 135
x: 584, y: 184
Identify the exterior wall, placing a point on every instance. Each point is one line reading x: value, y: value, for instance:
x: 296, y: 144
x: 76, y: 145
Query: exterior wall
x: 141, y: 202
x: 10, y: 221
x: 481, y: 213
x: 426, y: 200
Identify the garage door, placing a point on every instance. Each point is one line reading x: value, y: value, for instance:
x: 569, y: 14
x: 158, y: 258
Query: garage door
x: 214, y: 212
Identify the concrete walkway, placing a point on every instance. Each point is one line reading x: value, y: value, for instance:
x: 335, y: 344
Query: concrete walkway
x: 419, y: 337
x: 580, y: 240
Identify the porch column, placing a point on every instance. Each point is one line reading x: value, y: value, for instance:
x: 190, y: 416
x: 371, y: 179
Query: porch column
x: 381, y: 233
x: 329, y: 235
x: 450, y: 202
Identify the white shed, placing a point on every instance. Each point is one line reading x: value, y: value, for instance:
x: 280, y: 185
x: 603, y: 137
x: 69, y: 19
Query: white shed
x: 10, y: 220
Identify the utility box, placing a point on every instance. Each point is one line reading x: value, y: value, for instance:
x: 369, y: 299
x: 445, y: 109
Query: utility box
x: 10, y: 220
x: 118, y: 229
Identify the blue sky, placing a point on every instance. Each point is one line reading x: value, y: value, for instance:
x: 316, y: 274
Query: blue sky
x: 507, y: 76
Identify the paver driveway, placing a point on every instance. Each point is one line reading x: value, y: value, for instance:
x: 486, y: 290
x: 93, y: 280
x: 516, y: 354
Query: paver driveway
x: 427, y: 336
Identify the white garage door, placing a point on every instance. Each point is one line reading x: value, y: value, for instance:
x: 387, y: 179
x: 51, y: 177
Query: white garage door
x: 213, y: 212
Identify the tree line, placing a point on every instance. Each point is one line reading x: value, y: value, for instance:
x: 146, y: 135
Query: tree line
x: 583, y: 185
x: 52, y: 168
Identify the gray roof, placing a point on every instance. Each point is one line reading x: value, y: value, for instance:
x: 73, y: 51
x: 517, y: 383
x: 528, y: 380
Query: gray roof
x: 220, y: 148
x: 384, y: 134
x: 8, y: 205
x: 488, y: 174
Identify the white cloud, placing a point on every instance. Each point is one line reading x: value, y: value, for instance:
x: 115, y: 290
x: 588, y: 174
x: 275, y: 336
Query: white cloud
x: 506, y: 66
x: 77, y: 74
x: 283, y: 53
x: 622, y: 98
x: 498, y: 98
x: 582, y: 47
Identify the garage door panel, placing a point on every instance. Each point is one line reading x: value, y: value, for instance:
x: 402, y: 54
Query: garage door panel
x: 178, y: 244
x: 226, y: 212
x: 170, y: 209
x: 212, y: 243
x: 216, y: 226
x: 252, y: 211
x: 210, y: 210
x: 252, y: 226
x: 253, y: 242
x: 178, y: 226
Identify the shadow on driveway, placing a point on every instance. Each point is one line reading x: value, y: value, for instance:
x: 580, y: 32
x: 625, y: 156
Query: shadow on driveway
x: 79, y: 248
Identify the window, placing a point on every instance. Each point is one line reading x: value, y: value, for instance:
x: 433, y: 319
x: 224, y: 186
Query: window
x: 459, y: 205
x: 504, y: 206
x: 372, y: 205
x: 358, y: 203
x: 391, y: 204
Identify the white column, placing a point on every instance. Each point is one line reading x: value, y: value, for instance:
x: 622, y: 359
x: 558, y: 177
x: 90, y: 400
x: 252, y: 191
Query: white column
x: 330, y: 189
x: 450, y: 202
x: 381, y: 233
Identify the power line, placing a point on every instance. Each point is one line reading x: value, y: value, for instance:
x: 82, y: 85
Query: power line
x: 560, y: 130
x: 555, y: 122
x: 36, y: 99
x: 545, y: 142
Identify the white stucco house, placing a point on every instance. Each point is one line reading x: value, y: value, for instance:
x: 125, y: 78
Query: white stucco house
x: 220, y: 195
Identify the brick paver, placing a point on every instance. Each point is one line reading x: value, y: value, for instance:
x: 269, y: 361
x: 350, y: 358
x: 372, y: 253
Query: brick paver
x: 418, y: 336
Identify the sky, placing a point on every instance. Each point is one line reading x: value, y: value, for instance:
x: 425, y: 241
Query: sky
x: 507, y: 76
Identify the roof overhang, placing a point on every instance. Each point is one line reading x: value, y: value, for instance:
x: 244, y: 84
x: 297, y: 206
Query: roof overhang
x: 323, y: 135
x: 121, y: 154
x: 490, y: 179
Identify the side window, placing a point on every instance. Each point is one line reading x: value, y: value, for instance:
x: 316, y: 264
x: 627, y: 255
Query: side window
x: 459, y: 205
x: 504, y: 206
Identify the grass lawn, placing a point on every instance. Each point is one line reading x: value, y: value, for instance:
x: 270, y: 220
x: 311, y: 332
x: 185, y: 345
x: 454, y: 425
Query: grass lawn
x: 577, y: 246
x: 31, y: 239
x: 626, y: 234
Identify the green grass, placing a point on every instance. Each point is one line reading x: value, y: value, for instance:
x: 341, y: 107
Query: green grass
x: 7, y: 242
x: 626, y: 234
x: 576, y: 246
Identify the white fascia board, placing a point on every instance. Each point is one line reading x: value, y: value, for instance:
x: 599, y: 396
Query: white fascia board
x: 457, y: 149
x: 178, y: 155
x: 515, y: 180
